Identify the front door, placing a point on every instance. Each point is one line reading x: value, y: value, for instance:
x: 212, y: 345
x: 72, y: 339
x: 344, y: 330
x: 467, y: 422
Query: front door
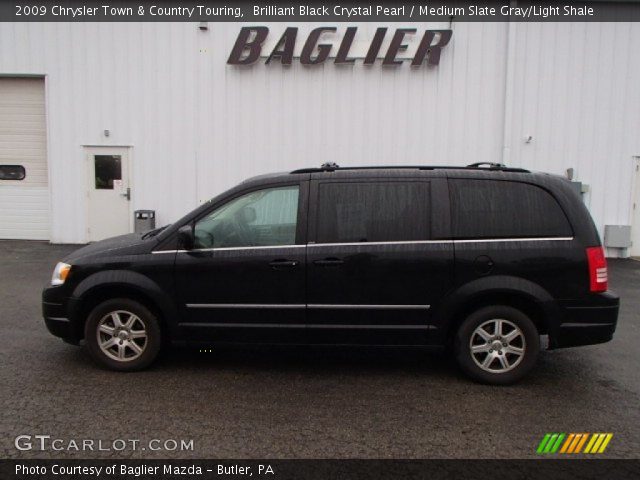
x: 245, y: 278
x: 109, y: 193
x: 376, y: 269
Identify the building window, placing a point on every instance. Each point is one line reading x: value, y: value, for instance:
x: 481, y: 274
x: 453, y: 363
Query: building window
x: 12, y: 172
x: 107, y: 169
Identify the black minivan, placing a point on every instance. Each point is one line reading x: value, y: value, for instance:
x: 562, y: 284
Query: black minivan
x: 485, y: 259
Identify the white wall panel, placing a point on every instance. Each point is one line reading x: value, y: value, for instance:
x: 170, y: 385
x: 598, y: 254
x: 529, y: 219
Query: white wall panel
x: 576, y: 93
x: 198, y: 126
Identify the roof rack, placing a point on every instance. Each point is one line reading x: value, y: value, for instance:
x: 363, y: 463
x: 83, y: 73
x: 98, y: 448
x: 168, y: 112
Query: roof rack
x: 332, y: 167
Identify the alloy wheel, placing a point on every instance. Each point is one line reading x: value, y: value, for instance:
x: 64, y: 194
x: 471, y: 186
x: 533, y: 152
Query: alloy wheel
x: 122, y: 335
x: 497, y: 346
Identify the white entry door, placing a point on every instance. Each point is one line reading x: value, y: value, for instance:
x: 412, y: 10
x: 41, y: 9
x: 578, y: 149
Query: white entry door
x: 109, y: 192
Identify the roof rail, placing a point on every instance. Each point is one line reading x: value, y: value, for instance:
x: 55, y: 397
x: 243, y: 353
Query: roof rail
x: 488, y: 164
x: 332, y: 167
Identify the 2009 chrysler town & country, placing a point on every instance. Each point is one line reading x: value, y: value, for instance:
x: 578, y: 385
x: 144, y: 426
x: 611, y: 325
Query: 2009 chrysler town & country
x: 486, y: 259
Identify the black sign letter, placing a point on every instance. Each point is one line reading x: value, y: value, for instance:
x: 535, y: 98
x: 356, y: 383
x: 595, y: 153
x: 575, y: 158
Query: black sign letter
x: 343, y: 53
x: 310, y: 44
x: 243, y: 43
x: 288, y: 43
x: 396, y: 45
x: 374, y: 48
x: 432, y: 51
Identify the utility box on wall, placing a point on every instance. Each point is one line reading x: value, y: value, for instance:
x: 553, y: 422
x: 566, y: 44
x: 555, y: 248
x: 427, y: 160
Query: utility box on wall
x: 617, y: 236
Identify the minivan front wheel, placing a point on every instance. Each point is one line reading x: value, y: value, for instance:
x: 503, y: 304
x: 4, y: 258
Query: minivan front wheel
x: 122, y: 334
x: 497, y: 345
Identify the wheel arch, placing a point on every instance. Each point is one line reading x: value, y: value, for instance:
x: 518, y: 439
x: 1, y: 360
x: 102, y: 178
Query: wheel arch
x: 131, y: 285
x: 522, y: 294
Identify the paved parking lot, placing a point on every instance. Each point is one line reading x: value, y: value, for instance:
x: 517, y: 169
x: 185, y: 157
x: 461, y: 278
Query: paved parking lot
x: 304, y: 403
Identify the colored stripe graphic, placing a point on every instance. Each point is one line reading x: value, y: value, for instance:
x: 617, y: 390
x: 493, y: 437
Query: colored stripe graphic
x: 556, y: 446
x: 583, y: 439
x: 592, y: 441
x: 550, y: 443
x: 543, y: 443
x: 573, y: 443
x: 567, y: 442
x: 605, y: 442
x: 598, y: 442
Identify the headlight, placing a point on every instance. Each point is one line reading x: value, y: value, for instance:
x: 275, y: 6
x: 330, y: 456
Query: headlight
x: 60, y: 273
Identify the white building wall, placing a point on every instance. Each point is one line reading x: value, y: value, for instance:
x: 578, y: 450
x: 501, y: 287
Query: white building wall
x: 576, y: 93
x: 197, y: 126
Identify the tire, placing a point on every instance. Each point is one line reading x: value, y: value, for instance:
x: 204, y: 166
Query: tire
x: 122, y: 335
x: 492, y: 362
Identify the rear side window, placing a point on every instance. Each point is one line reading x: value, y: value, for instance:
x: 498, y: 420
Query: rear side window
x: 502, y: 209
x: 373, y: 212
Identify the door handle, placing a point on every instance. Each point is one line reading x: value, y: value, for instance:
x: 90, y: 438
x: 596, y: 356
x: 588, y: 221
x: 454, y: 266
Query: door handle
x: 127, y: 194
x: 328, y: 262
x: 283, y: 263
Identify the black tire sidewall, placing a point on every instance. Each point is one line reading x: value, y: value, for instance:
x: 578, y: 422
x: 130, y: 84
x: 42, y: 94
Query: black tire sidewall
x: 154, y: 336
x: 463, y: 353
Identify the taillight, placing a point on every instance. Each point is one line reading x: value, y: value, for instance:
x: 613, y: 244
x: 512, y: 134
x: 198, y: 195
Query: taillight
x: 597, y: 269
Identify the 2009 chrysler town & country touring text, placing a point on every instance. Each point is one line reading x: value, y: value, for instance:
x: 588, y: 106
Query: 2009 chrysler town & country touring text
x: 485, y: 259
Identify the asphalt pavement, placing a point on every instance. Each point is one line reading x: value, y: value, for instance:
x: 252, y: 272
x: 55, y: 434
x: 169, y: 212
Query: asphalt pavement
x: 300, y: 402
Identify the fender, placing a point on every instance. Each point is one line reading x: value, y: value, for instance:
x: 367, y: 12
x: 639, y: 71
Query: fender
x: 456, y: 301
x: 131, y: 280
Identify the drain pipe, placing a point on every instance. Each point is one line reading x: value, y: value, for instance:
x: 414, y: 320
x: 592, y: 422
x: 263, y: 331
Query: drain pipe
x: 508, y: 91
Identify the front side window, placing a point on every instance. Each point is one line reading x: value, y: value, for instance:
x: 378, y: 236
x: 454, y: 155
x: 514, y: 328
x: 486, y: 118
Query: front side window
x: 373, y: 212
x: 258, y: 219
x: 504, y: 209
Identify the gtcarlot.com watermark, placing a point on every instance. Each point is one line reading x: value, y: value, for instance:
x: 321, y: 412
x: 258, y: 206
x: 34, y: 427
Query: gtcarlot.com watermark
x: 45, y: 443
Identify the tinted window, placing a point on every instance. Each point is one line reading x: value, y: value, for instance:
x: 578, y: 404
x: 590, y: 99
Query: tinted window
x: 373, y: 212
x: 262, y: 218
x: 499, y: 209
x: 12, y: 172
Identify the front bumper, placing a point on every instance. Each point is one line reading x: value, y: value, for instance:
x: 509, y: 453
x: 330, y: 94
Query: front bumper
x: 587, y: 322
x: 55, y: 310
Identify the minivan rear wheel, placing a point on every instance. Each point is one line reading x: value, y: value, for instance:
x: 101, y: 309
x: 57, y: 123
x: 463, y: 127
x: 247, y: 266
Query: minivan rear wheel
x: 497, y: 345
x: 122, y: 334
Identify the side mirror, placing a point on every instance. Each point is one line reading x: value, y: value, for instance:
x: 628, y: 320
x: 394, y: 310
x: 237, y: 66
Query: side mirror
x: 185, y: 237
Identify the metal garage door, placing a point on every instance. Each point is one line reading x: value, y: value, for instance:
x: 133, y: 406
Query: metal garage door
x: 24, y: 193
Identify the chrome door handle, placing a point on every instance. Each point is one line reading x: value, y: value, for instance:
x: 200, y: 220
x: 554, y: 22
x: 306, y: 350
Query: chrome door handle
x: 277, y: 264
x: 127, y: 194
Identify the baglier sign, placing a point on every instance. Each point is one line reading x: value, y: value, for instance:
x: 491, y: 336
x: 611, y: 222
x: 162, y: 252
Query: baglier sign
x: 250, y: 41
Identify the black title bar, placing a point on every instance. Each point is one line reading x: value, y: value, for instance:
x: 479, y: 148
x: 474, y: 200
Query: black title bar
x: 115, y: 469
x: 314, y: 11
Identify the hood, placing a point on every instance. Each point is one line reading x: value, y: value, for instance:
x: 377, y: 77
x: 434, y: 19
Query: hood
x: 123, y: 244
